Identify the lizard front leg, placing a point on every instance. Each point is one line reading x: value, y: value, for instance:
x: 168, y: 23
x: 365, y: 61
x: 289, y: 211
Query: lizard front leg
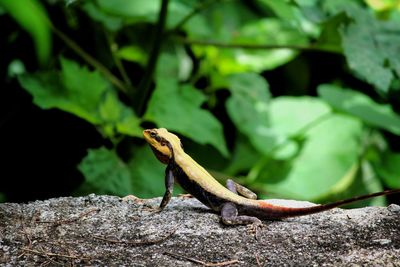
x: 169, y: 186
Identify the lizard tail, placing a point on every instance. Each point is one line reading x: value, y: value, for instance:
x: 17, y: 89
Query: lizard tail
x: 271, y: 211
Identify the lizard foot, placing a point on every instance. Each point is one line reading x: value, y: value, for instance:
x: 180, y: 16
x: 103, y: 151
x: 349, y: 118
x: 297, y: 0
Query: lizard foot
x: 132, y: 198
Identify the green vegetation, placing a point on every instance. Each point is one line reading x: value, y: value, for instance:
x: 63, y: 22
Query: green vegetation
x: 206, y: 71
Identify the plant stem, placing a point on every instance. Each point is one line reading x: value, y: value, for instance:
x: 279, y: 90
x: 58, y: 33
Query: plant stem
x: 117, y: 61
x: 145, y: 83
x: 89, y: 59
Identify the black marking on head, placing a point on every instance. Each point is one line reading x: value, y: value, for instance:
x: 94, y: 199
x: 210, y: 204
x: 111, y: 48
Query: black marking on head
x: 168, y: 144
x: 161, y: 140
x: 155, y: 136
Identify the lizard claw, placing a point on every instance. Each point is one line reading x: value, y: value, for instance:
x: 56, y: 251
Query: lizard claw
x: 254, y: 228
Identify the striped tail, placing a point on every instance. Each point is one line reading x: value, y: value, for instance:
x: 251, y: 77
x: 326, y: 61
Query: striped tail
x: 275, y: 212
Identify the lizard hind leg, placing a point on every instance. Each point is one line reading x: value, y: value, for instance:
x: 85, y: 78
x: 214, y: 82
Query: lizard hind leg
x: 229, y: 211
x: 229, y: 216
x: 240, y: 189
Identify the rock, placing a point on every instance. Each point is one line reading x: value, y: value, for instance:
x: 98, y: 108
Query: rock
x: 105, y: 230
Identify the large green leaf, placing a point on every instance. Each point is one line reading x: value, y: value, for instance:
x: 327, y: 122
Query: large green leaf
x: 248, y: 107
x: 388, y: 38
x: 369, y: 45
x: 83, y: 93
x: 106, y: 173
x: 364, y: 57
x: 267, y: 123
x: 31, y: 16
x: 326, y: 164
x: 361, y: 106
x: 177, y: 108
x: 291, y: 116
x: 82, y: 86
x: 143, y: 10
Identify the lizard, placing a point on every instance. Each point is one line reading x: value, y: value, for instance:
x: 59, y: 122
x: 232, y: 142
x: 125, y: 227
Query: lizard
x: 236, y: 204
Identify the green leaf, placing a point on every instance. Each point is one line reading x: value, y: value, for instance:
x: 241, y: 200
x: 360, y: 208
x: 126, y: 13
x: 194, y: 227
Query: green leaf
x: 369, y: 45
x: 110, y: 109
x: 133, y: 53
x: 364, y: 57
x: 263, y: 32
x: 48, y: 92
x: 361, y: 106
x: 179, y: 65
x: 282, y: 9
x: 116, y: 116
x: 248, y: 108
x: 105, y: 171
x: 75, y: 90
x: 143, y: 9
x: 388, y: 38
x: 215, y: 25
x: 326, y: 160
x: 129, y: 123
x: 177, y: 108
x: 267, y: 32
x: 83, y: 93
x: 388, y: 168
x: 291, y: 116
x: 84, y: 87
x: 31, y: 15
x: 266, y: 123
x: 113, y: 23
x: 337, y: 6
x: 330, y: 38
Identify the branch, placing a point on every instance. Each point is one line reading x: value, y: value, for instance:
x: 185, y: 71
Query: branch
x: 89, y: 59
x: 117, y: 60
x: 145, y: 83
x: 251, y: 46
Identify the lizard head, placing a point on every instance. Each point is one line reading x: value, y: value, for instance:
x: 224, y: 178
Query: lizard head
x: 162, y: 142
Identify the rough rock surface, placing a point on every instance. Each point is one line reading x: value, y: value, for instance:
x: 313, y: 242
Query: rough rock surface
x: 104, y: 230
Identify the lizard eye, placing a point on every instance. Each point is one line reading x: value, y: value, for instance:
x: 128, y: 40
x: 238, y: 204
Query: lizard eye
x: 153, y: 135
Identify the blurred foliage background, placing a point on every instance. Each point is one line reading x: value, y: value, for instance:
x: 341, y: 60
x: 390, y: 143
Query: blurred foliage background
x: 293, y: 98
